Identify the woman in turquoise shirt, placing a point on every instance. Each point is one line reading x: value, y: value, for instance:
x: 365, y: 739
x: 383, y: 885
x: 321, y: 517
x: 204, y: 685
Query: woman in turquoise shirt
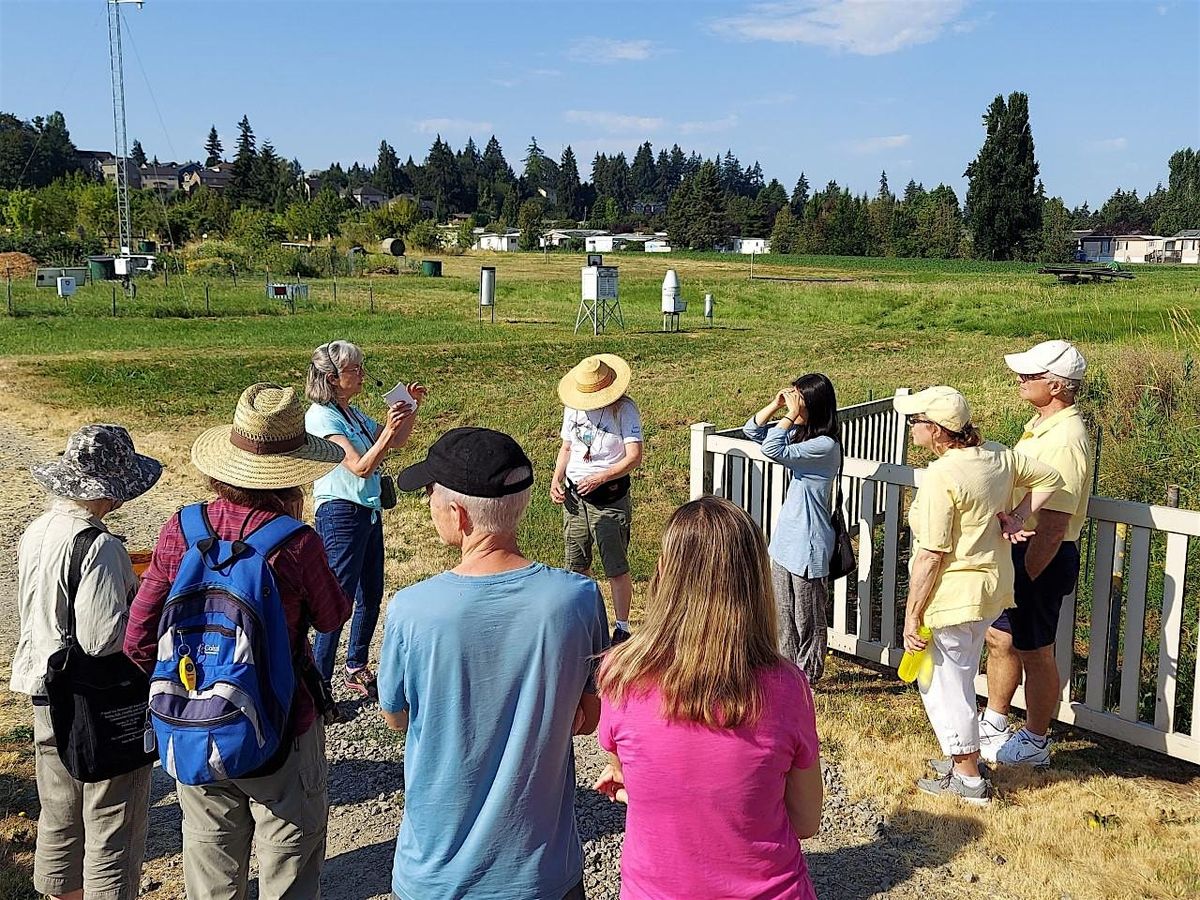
x: 347, y: 500
x: 806, y: 440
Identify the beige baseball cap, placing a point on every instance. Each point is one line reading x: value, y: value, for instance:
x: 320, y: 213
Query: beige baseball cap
x: 941, y: 404
x: 1056, y: 357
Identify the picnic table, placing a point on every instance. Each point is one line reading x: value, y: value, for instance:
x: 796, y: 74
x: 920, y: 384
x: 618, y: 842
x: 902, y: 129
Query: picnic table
x: 1074, y: 274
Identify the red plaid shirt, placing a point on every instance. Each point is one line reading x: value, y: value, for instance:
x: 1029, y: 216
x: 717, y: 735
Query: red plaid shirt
x: 310, y: 593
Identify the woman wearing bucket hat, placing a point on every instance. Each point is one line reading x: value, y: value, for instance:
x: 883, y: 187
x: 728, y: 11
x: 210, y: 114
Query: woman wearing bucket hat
x: 349, y: 499
x: 601, y: 444
x: 91, y: 836
x: 256, y: 467
x: 960, y: 570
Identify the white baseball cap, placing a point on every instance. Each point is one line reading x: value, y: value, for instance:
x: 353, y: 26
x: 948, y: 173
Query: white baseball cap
x: 940, y: 403
x: 1056, y: 357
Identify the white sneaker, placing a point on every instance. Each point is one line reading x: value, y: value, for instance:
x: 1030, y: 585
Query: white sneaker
x: 1021, y: 750
x: 991, y: 739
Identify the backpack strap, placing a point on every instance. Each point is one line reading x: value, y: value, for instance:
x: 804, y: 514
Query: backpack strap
x: 193, y: 522
x: 79, y: 549
x: 270, y: 536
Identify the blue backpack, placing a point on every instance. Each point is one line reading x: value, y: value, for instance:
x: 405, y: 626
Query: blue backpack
x: 222, y: 689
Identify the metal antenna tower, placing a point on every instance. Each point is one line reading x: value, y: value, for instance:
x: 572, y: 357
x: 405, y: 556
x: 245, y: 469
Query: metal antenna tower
x: 117, y: 70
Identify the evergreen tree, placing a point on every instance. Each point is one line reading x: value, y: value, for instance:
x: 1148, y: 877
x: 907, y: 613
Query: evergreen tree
x: 510, y: 210
x: 529, y: 220
x: 643, y: 178
x: 536, y: 170
x: 1058, y: 245
x: 662, y: 171
x: 799, y: 198
x: 388, y: 176
x: 494, y: 167
x: 938, y: 224
x: 242, y: 184
x: 137, y: 154
x: 730, y: 173
x: 442, y: 179
x: 785, y: 235
x: 35, y: 153
x: 469, y: 162
x: 213, y: 148
x: 1123, y: 213
x: 271, y: 178
x: 568, y: 187
x: 1003, y: 209
x: 884, y: 190
x: 710, y: 223
x: 620, y: 184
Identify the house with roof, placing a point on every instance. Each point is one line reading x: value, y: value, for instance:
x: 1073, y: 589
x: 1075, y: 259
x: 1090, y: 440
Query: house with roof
x: 557, y: 237
x: 1121, y: 248
x: 1181, y: 247
x: 499, y: 243
x: 92, y: 161
x: 167, y: 177
x: 367, y: 196
x: 110, y: 166
x: 749, y: 245
x: 215, y: 178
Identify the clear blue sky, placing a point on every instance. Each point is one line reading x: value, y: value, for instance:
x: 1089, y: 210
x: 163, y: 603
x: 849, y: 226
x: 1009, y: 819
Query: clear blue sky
x: 837, y: 88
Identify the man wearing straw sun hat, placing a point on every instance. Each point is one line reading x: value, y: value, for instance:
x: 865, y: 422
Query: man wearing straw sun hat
x: 601, y: 444
x: 256, y: 467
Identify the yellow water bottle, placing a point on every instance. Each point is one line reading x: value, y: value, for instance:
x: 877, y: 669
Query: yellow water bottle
x: 914, y: 660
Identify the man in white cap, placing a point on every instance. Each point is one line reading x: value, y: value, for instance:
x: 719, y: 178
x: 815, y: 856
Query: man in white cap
x: 1047, y: 566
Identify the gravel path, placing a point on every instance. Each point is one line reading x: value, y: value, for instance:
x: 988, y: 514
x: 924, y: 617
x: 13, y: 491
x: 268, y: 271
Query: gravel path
x: 857, y: 855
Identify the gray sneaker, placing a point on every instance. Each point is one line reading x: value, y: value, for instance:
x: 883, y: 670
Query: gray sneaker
x: 952, y: 786
x: 944, y: 766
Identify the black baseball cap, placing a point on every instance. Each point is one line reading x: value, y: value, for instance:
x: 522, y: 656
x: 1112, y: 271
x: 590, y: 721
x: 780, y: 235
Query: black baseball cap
x: 473, y: 461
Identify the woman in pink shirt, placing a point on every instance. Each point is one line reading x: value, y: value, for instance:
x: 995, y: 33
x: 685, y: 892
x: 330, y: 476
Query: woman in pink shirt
x: 711, y: 733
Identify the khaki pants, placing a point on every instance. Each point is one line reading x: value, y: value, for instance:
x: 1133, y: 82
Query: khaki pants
x: 90, y: 836
x: 285, y: 814
x: 607, y: 527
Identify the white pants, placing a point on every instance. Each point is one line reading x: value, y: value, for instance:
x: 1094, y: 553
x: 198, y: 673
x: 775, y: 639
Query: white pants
x: 949, y: 697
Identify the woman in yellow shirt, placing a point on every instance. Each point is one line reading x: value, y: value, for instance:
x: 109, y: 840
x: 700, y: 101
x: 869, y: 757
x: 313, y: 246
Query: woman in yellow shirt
x: 961, y: 572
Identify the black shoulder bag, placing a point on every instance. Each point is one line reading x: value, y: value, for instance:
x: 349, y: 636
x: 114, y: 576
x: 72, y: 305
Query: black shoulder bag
x: 843, y: 560
x: 98, y: 704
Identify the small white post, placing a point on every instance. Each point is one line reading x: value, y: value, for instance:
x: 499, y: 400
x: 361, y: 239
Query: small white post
x: 701, y: 460
x: 899, y: 453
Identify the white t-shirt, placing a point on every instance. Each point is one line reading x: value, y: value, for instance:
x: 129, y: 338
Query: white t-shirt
x: 606, y: 431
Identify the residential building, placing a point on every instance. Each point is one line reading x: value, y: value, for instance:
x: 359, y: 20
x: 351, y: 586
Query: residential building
x: 164, y: 177
x: 500, y: 243
x: 368, y: 197
x: 1182, y: 247
x: 749, y: 245
x: 215, y: 178
x: 1135, y: 248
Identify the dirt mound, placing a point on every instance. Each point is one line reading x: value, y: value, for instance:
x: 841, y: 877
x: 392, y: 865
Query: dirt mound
x: 18, y: 264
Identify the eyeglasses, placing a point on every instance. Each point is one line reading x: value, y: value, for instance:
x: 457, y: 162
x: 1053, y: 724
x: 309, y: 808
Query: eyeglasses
x: 359, y: 370
x: 916, y: 420
x: 1038, y: 377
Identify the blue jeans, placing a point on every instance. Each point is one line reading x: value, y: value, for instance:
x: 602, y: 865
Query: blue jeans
x: 354, y: 545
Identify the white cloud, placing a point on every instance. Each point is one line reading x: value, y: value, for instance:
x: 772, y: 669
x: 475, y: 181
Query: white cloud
x: 1161, y: 9
x: 865, y: 27
x: 451, y: 126
x: 1109, y: 145
x: 867, y: 146
x: 708, y: 126
x: 609, y: 50
x: 611, y: 121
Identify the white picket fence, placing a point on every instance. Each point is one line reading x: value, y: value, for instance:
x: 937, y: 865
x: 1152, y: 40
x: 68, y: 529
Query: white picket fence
x: 1113, y: 683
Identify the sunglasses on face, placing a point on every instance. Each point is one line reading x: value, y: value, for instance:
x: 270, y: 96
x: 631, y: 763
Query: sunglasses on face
x: 917, y: 420
x: 1026, y: 378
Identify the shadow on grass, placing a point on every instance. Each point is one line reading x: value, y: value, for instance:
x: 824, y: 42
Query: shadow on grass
x: 860, y: 871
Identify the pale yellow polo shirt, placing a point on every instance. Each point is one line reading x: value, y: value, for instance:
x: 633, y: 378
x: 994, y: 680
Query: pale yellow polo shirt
x: 954, y: 512
x: 1061, y: 442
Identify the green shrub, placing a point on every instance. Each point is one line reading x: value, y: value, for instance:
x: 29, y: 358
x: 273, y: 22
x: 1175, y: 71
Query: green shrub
x: 212, y: 267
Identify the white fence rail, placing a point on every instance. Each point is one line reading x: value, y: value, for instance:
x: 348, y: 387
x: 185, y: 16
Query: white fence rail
x: 1126, y: 649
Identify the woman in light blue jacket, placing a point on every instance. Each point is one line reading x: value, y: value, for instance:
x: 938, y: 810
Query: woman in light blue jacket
x: 806, y: 439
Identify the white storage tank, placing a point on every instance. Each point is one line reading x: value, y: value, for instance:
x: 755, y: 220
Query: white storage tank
x: 671, y: 302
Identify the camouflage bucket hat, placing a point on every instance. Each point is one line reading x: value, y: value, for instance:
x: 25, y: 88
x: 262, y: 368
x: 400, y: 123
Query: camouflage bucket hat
x: 99, y: 463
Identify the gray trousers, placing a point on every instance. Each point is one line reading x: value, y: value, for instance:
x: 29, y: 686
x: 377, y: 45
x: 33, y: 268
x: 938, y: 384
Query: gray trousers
x: 285, y: 814
x: 800, y: 604
x: 89, y: 836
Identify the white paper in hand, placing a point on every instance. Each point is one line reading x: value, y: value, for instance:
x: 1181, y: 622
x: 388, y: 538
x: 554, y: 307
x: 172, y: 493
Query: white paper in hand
x: 400, y: 394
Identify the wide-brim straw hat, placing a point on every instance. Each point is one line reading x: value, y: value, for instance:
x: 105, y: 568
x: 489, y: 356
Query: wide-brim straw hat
x: 595, y: 382
x: 266, y: 447
x: 100, y: 463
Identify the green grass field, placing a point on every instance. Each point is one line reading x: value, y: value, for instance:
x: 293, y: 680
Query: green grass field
x: 165, y: 361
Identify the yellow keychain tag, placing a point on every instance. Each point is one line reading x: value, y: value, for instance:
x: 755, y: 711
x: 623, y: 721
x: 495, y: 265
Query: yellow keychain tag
x: 187, y: 672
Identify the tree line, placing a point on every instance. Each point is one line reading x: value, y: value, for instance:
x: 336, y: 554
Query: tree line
x: 699, y: 202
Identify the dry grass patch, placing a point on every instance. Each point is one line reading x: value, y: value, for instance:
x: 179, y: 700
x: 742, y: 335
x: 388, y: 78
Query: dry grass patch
x: 1107, y: 822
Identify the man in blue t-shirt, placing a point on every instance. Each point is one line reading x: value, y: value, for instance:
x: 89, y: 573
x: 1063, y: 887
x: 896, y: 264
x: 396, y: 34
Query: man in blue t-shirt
x: 489, y: 667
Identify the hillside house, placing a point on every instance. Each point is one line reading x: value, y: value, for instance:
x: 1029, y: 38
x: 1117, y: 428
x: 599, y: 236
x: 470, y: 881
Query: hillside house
x: 499, y: 243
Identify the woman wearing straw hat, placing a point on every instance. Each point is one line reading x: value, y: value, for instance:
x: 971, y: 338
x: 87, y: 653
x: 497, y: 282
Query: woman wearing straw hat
x: 256, y: 467
x: 601, y: 445
x: 90, y: 837
x: 349, y: 498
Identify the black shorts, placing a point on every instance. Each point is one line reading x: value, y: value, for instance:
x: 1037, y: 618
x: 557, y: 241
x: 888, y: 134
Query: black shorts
x: 1033, y: 622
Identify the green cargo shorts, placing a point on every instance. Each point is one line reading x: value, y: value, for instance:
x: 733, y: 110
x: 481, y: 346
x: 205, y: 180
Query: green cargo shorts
x: 585, y: 524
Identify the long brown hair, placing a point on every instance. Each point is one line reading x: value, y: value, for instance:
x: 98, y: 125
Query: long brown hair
x: 710, y: 620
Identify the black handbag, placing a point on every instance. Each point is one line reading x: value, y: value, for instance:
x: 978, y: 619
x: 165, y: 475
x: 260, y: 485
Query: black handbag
x: 387, y: 491
x: 98, y: 704
x: 843, y: 560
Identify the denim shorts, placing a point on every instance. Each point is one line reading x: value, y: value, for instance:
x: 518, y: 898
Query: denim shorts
x: 1033, y: 622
